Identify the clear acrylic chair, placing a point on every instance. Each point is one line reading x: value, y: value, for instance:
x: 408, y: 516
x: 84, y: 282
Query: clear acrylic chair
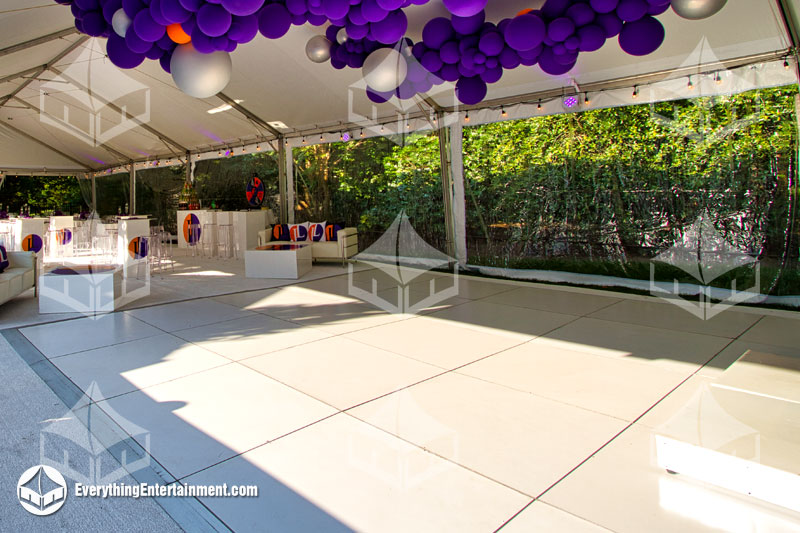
x: 208, y: 239
x: 226, y: 241
x: 194, y: 238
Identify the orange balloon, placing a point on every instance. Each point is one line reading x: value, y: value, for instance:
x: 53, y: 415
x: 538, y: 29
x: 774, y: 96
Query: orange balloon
x: 524, y: 12
x: 176, y: 33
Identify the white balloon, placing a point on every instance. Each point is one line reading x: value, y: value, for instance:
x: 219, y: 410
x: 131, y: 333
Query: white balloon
x: 697, y: 9
x: 385, y: 69
x: 121, y: 22
x: 318, y: 49
x: 341, y: 36
x: 200, y: 75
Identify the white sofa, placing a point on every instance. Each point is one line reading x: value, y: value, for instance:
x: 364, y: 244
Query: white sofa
x: 19, y: 276
x: 340, y: 250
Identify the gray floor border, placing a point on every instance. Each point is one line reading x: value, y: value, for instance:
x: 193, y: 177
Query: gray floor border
x: 188, y: 513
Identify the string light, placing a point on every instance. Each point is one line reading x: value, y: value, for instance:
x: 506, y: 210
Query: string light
x: 466, y: 118
x: 635, y: 94
x: 362, y: 133
x: 690, y: 85
x: 718, y: 78
x: 322, y: 137
x: 258, y: 148
x: 786, y: 64
x: 304, y: 140
x: 503, y: 112
x: 539, y: 106
x: 586, y: 100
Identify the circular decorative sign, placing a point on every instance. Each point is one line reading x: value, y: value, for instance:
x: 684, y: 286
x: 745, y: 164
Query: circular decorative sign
x: 32, y: 243
x: 255, y: 192
x: 191, y: 229
x: 138, y: 248
x: 64, y: 236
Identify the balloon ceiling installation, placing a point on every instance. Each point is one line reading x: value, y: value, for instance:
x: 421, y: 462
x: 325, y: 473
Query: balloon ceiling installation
x: 193, y: 39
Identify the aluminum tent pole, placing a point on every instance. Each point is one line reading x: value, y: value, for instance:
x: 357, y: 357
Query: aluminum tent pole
x: 447, y: 185
x: 282, y: 181
x: 132, y: 192
x: 94, y: 193
x: 289, y: 165
x: 458, y: 202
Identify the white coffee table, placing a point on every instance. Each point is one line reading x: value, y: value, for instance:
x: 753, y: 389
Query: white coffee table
x: 289, y: 260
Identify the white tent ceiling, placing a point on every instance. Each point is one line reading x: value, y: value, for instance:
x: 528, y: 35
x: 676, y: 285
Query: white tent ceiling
x: 48, y: 120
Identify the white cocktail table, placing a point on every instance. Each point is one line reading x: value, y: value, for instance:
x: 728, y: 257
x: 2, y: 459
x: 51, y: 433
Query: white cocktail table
x: 276, y: 260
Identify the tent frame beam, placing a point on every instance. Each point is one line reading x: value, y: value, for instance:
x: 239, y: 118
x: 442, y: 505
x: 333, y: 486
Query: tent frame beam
x: 41, y: 70
x: 37, y: 41
x: 258, y: 121
x: 121, y: 111
x: 122, y: 157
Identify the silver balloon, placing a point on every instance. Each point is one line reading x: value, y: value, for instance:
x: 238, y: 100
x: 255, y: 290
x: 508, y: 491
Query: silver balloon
x: 200, y: 75
x: 385, y: 69
x: 318, y: 49
x: 697, y: 9
x: 341, y: 36
x: 120, y: 22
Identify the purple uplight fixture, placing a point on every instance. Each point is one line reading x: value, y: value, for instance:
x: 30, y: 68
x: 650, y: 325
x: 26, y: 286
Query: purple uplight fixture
x: 570, y: 101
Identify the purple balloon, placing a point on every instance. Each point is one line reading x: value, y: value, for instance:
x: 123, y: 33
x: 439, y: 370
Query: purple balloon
x: 432, y: 61
x: 610, y: 23
x: 437, y: 32
x: 242, y: 8
x: 449, y: 73
x: 450, y: 53
x: 465, y: 8
x: 525, y: 32
x: 657, y: 9
x: 191, y: 5
x: 632, y: 10
x: 581, y: 14
x: 372, y: 12
x: 165, y: 62
x: 174, y: 12
x: 471, y: 91
x: 132, y: 7
x: 509, y: 58
x: 336, y: 9
x: 642, y: 37
x: 603, y: 6
x: 109, y: 8
x: 243, y: 29
x: 378, y: 97
x: 550, y: 65
x: 214, y: 20
x: 491, y: 43
x: 202, y: 42
x: 94, y: 24
x: 274, y: 21
x: 492, y: 75
x: 391, y: 29
x: 552, y: 9
x: 591, y: 38
x: 119, y: 53
x: 468, y: 25
x: 560, y: 29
